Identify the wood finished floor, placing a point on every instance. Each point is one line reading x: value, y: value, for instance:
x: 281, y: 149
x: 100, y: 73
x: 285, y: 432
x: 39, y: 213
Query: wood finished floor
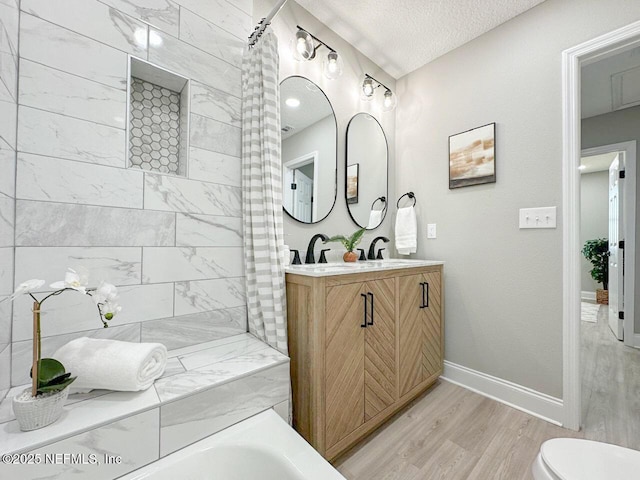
x: 453, y: 433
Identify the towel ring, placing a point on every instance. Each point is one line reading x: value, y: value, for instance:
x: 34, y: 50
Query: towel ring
x: 383, y: 200
x: 408, y: 194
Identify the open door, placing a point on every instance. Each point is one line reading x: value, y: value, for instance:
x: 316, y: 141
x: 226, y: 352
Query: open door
x: 616, y: 254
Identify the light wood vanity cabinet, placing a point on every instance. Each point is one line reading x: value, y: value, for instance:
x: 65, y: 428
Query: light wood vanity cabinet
x: 362, y: 346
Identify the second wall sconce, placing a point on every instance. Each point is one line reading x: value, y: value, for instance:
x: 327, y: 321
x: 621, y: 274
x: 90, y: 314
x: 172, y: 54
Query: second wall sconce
x: 369, y: 86
x: 305, y: 46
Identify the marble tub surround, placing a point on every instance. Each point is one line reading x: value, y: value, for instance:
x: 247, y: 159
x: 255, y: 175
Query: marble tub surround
x: 238, y: 376
x: 9, y: 21
x: 172, y: 245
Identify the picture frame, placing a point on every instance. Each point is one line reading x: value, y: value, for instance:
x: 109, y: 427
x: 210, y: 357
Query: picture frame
x: 472, y: 158
x: 353, y: 173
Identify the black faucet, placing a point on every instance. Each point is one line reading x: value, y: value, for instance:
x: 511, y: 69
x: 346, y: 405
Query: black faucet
x: 372, y: 247
x: 312, y: 243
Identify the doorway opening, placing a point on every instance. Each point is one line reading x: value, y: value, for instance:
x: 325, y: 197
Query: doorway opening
x: 574, y: 62
x: 301, y: 187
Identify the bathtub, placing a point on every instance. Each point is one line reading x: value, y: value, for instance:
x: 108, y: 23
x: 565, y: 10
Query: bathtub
x: 262, y: 447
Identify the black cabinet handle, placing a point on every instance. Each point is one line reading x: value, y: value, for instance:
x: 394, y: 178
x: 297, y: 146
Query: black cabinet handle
x: 371, y: 295
x: 364, y: 320
x: 425, y: 295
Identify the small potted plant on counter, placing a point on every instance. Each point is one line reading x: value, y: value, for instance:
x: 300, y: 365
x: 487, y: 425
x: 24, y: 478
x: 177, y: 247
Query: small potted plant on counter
x: 597, y: 252
x: 349, y: 243
x: 41, y: 404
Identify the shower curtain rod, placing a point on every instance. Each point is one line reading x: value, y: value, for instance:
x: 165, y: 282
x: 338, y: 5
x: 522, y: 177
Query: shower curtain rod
x: 264, y: 23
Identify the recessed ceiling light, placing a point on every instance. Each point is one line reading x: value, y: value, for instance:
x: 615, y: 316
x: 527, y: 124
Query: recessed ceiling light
x: 292, y: 102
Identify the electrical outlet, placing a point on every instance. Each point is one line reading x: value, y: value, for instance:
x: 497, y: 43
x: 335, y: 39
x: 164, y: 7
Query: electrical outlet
x: 431, y: 230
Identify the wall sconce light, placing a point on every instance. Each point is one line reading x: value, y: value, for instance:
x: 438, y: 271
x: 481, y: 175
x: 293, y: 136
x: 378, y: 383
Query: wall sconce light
x: 305, y: 46
x: 369, y: 86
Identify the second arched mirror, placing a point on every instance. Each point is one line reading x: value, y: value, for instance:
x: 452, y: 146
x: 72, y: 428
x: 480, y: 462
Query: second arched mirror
x: 309, y: 150
x: 367, y: 171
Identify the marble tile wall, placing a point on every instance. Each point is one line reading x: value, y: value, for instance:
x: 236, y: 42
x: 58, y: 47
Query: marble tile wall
x: 9, y: 21
x: 172, y: 244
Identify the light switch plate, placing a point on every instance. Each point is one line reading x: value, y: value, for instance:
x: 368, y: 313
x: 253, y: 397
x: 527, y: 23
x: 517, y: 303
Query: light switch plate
x: 541, y: 217
x: 431, y: 230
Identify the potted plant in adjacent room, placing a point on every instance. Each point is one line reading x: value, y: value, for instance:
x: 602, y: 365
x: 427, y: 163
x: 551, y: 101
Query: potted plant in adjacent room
x: 41, y: 404
x: 349, y: 243
x: 597, y: 252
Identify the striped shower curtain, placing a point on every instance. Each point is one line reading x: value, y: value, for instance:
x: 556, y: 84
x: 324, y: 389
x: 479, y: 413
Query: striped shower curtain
x: 262, y: 193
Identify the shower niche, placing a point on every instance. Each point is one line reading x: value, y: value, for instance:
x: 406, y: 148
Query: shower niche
x: 157, y: 119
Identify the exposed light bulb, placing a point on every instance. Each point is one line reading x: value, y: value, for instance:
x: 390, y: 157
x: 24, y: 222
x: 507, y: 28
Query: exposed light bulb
x: 301, y: 46
x: 367, y: 87
x: 333, y: 65
x: 389, y: 102
x: 387, y: 99
x: 292, y: 102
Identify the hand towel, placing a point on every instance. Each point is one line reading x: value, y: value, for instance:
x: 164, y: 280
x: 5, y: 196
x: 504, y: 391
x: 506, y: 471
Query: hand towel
x: 406, y: 231
x: 112, y: 364
x: 375, y: 219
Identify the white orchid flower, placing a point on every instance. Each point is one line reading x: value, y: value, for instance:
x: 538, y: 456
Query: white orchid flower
x: 106, y: 292
x: 72, y: 279
x: 109, y: 309
x: 26, y: 287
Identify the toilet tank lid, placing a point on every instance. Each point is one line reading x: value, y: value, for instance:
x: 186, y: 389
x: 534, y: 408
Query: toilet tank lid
x: 577, y: 459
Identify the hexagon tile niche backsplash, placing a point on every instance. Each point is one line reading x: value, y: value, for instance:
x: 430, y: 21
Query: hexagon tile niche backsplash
x: 154, y: 132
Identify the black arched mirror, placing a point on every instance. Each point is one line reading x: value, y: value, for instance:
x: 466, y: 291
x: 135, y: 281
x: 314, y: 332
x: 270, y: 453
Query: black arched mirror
x: 367, y: 171
x: 309, y: 150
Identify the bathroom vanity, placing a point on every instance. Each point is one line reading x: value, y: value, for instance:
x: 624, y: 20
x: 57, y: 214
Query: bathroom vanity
x: 364, y: 340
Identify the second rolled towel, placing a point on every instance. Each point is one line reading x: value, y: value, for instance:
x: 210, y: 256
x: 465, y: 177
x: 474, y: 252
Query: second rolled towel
x: 112, y: 364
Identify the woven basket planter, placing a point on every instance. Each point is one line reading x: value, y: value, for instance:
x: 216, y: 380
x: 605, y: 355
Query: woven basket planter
x: 602, y: 296
x: 37, y: 412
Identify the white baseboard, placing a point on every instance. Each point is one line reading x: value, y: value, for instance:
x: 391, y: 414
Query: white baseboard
x: 529, y: 401
x: 636, y: 340
x: 588, y: 296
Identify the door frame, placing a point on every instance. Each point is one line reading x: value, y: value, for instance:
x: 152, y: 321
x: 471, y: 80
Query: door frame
x: 629, y: 220
x: 301, y: 161
x: 572, y: 60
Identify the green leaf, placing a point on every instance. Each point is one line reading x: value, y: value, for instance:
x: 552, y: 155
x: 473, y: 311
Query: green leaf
x: 58, y: 387
x: 357, y: 236
x: 48, y: 369
x: 58, y: 380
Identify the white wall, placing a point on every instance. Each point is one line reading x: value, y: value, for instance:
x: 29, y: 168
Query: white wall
x: 594, y: 219
x: 616, y: 127
x: 344, y: 95
x: 320, y: 137
x: 173, y: 245
x: 503, y: 309
x: 9, y: 18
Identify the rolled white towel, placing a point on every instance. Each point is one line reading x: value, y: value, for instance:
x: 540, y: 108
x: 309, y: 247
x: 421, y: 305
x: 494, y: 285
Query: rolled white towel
x: 112, y: 364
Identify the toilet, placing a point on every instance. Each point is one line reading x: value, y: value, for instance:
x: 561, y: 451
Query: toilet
x: 576, y: 459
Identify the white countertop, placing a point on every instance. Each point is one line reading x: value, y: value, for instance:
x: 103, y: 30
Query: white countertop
x: 346, y: 268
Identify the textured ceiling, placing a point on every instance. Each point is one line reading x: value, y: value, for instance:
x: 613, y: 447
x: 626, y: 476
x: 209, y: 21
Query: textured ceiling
x: 402, y: 35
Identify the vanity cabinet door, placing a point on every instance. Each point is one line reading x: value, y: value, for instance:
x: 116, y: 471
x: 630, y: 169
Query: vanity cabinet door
x: 411, y: 333
x: 380, y: 347
x: 432, y: 353
x: 344, y: 360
